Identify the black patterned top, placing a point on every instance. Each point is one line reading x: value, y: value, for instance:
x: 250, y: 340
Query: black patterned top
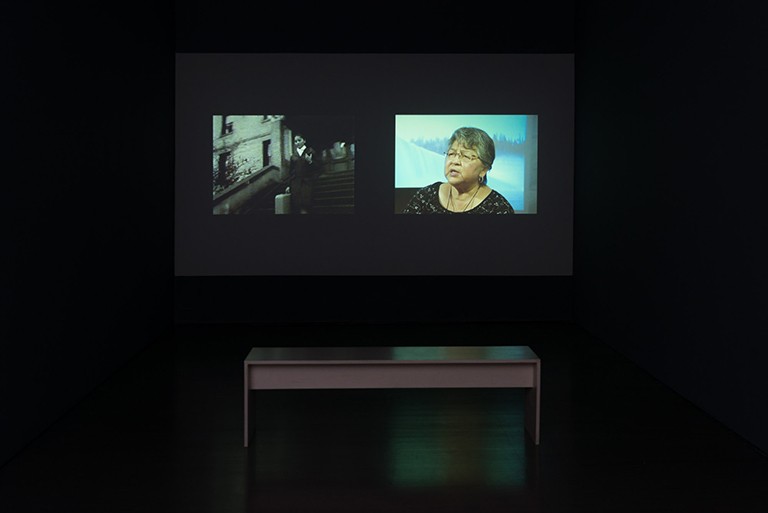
x: 427, y: 201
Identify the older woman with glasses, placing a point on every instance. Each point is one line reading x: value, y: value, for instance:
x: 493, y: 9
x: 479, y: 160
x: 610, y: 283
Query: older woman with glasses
x: 469, y: 157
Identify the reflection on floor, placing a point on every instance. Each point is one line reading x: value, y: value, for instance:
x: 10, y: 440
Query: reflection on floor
x: 165, y: 435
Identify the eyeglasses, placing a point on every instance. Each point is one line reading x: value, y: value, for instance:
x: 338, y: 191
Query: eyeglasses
x: 463, y: 157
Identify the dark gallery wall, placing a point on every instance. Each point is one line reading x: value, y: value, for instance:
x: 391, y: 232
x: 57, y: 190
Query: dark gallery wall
x: 669, y: 268
x: 87, y: 274
x: 87, y: 209
x: 670, y: 260
x: 543, y: 27
x: 371, y: 299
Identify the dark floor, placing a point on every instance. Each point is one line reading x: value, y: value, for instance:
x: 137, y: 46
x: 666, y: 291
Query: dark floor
x: 165, y: 434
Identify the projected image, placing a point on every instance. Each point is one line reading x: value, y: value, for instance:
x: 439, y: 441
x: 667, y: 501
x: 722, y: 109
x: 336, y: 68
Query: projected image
x: 283, y: 164
x: 478, y: 164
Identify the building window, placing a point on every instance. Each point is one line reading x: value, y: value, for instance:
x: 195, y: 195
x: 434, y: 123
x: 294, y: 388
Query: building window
x: 226, y: 126
x: 266, y: 152
x: 222, y: 173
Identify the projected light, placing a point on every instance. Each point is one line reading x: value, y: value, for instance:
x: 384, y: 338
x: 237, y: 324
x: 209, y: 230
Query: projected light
x: 420, y: 141
x: 478, y: 444
x: 380, y: 124
x: 259, y: 168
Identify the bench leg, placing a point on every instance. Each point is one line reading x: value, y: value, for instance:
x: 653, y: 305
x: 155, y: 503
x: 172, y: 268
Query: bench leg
x: 532, y: 414
x: 533, y: 407
x: 246, y: 408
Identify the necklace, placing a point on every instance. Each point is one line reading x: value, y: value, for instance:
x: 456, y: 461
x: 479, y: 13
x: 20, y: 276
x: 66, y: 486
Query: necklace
x: 450, y: 199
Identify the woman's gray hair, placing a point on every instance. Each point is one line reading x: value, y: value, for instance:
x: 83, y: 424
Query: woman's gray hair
x: 478, y: 140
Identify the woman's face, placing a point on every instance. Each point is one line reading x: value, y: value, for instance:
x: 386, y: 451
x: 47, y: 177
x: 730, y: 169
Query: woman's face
x: 463, y: 167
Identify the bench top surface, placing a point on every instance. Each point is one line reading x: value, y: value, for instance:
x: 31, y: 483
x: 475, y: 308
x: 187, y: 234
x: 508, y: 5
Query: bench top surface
x: 398, y: 354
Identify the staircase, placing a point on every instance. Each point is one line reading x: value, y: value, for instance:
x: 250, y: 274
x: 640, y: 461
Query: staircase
x: 334, y: 191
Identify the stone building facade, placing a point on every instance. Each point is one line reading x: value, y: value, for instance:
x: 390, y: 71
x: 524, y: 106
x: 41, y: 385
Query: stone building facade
x: 250, y: 156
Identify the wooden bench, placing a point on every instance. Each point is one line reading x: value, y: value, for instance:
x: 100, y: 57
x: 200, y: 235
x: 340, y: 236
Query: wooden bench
x: 282, y: 368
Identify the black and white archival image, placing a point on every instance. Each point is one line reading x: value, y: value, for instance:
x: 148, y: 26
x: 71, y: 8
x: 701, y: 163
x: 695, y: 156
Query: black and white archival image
x: 279, y: 164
